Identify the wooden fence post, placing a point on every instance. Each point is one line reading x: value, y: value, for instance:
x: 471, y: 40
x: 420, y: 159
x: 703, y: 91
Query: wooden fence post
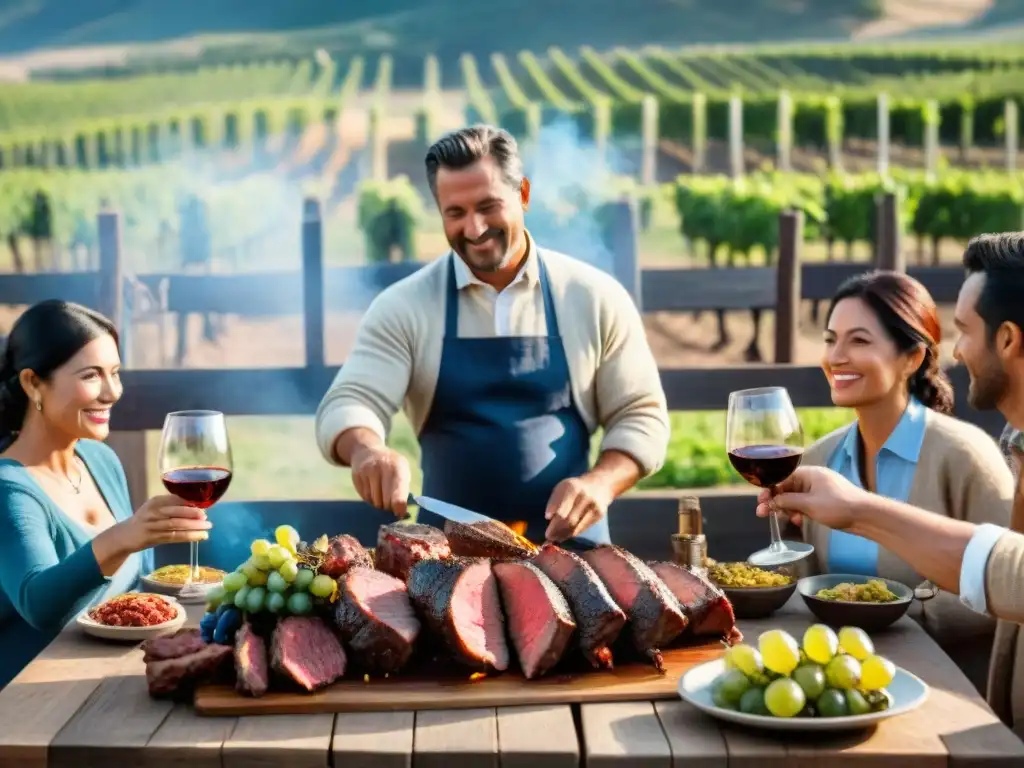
x: 621, y: 238
x: 313, y: 282
x: 649, y: 141
x: 787, y: 285
x: 1012, y: 128
x: 784, y: 132
x: 878, y: 230
x: 890, y: 253
x: 130, y: 447
x: 110, y: 298
x: 736, y: 164
x: 883, y: 134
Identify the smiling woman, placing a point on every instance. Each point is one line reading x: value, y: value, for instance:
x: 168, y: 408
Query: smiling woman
x: 70, y: 538
x: 880, y: 357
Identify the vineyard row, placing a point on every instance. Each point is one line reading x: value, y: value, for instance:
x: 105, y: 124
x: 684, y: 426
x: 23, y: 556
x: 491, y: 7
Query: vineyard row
x: 553, y: 77
x: 738, y: 215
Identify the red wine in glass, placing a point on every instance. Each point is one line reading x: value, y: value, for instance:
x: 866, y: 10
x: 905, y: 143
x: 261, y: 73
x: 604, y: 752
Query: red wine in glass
x: 200, y: 486
x: 765, y: 465
x: 195, y: 462
x: 764, y: 439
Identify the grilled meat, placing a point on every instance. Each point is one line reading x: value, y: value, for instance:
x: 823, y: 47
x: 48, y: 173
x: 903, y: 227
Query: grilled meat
x: 707, y: 606
x: 598, y: 617
x: 487, y: 539
x: 376, y: 620
x: 656, y: 619
x: 458, y: 601
x: 539, y: 620
x: 401, y: 545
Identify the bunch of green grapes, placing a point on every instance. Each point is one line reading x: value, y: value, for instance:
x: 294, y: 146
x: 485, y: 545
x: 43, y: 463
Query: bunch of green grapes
x: 272, y: 580
x: 832, y: 675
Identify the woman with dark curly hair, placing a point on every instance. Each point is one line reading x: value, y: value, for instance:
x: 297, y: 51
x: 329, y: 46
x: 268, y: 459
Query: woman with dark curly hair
x: 881, y: 359
x: 69, y: 536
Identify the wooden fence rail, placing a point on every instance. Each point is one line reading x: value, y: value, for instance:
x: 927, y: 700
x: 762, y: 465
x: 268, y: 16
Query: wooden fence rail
x: 642, y: 521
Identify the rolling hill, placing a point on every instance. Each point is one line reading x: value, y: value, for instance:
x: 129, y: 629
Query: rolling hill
x: 416, y: 27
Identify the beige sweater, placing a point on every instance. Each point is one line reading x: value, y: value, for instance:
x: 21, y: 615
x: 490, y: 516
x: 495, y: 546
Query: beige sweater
x: 961, y: 474
x: 397, y: 354
x: 1005, y: 596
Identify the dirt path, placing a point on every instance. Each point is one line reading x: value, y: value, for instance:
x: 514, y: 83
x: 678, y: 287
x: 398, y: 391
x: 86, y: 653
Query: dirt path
x: 902, y: 16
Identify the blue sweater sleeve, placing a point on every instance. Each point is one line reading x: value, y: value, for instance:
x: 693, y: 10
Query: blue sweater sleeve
x: 43, y: 588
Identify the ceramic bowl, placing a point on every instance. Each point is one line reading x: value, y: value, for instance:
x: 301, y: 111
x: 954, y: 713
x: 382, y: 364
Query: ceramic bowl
x: 871, y: 617
x: 758, y: 602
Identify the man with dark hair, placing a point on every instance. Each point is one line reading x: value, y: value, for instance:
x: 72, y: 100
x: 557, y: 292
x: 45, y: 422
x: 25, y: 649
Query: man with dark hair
x: 507, y: 358
x: 984, y: 564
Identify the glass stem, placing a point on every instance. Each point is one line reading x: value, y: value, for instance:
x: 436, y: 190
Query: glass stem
x: 194, y: 562
x: 773, y: 521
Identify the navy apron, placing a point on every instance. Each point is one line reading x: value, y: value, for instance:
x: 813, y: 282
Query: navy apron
x: 503, y: 430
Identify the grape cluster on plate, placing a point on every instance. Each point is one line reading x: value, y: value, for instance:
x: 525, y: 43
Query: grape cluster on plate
x: 272, y: 581
x: 831, y: 675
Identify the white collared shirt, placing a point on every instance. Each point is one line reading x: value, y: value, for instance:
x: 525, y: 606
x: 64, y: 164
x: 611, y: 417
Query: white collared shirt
x: 513, y: 308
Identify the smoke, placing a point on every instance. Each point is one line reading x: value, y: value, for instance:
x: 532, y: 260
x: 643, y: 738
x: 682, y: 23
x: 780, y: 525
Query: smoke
x: 569, y: 177
x: 235, y: 526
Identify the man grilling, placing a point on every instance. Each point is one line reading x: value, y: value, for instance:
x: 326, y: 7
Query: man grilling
x: 507, y: 357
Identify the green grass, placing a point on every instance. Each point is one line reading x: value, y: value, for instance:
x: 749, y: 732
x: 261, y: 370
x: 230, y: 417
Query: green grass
x: 277, y: 458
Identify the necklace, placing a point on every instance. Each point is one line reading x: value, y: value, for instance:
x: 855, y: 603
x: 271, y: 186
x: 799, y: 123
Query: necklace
x: 76, y: 487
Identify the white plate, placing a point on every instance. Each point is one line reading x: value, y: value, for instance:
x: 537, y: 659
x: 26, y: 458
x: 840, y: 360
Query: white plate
x: 133, y: 634
x: 188, y: 593
x: 908, y: 691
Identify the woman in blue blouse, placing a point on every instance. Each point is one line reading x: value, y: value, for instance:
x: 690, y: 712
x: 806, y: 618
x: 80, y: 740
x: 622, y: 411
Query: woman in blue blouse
x: 70, y: 539
x: 881, y: 359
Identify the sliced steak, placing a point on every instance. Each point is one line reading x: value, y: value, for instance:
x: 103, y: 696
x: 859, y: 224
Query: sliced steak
x: 305, y: 650
x: 655, y: 616
x: 252, y: 674
x: 178, y: 676
x: 180, y: 643
x: 599, y: 619
x: 401, y: 545
x: 375, y: 619
x: 487, y: 539
x: 539, y: 620
x: 458, y: 601
x: 707, y: 606
x: 344, y: 552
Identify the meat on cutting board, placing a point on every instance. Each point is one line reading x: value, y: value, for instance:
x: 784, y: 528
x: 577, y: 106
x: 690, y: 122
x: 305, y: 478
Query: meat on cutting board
x: 375, y: 619
x: 173, y: 676
x: 401, y: 545
x: 599, y: 619
x: 305, y: 650
x: 252, y: 674
x: 458, y: 601
x: 707, y: 606
x: 655, y: 617
x: 180, y: 643
x: 539, y: 620
x: 344, y: 552
x: 487, y: 539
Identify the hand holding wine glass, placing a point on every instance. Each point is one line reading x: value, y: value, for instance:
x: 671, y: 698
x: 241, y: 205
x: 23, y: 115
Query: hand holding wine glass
x: 164, y: 520
x: 765, y: 440
x: 195, y: 463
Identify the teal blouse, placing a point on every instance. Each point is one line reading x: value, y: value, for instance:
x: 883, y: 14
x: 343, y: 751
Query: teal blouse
x: 894, y: 475
x: 48, y: 572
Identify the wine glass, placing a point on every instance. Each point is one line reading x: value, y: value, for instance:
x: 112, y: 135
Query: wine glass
x: 765, y: 440
x: 195, y: 463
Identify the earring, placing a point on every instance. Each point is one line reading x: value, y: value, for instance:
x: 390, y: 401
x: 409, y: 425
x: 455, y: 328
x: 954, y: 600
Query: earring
x: 39, y: 405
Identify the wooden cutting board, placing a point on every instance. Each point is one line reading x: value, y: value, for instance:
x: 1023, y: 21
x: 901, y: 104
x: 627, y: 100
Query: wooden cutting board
x: 629, y: 681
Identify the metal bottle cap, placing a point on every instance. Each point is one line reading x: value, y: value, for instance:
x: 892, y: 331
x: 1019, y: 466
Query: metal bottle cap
x: 690, y: 520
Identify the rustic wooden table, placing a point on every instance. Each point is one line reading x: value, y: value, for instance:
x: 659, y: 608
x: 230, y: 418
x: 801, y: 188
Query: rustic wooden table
x: 83, y: 703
